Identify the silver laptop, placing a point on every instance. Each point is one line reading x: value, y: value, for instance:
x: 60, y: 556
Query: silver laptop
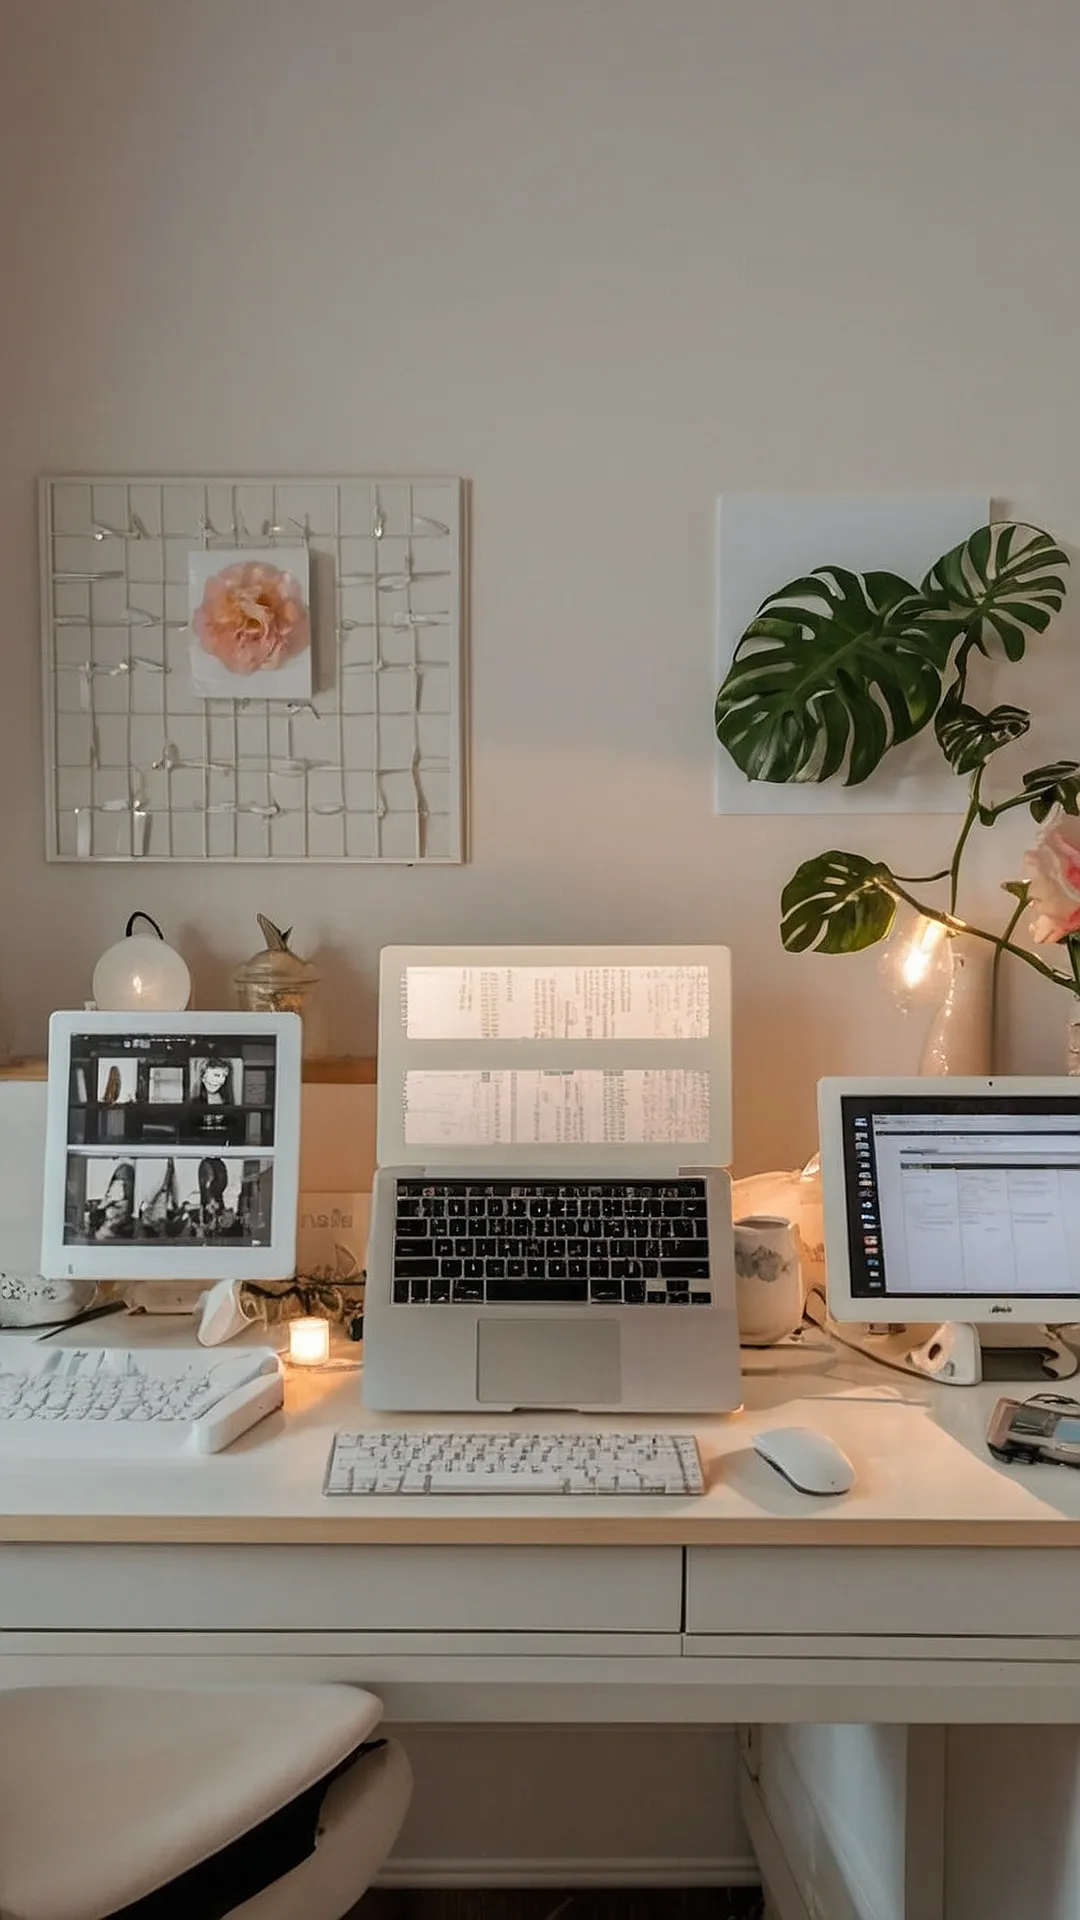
x: 551, y: 1216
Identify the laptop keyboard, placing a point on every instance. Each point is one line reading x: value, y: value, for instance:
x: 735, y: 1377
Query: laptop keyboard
x: 609, y: 1243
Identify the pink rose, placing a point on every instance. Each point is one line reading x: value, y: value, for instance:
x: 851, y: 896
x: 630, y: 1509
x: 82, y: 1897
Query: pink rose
x: 1053, y: 870
x: 252, y: 617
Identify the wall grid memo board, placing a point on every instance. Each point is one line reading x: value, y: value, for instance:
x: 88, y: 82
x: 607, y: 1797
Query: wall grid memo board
x: 138, y: 765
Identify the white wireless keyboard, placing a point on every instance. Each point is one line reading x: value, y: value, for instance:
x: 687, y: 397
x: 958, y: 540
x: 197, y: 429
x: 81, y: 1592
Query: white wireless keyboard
x: 128, y: 1403
x: 399, y: 1462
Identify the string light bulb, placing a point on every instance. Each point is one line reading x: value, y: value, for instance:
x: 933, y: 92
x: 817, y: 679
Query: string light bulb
x: 917, y: 961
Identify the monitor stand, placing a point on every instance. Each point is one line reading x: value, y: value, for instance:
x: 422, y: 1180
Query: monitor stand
x: 164, y: 1296
x: 961, y: 1355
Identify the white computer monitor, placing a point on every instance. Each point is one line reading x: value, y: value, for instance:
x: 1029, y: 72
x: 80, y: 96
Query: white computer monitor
x: 172, y: 1146
x: 952, y: 1200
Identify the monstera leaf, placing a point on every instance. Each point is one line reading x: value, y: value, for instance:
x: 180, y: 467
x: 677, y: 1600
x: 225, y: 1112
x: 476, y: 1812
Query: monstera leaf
x: 837, y: 903
x: 967, y: 737
x: 1055, y: 785
x: 833, y: 670
x: 998, y: 588
x: 837, y: 668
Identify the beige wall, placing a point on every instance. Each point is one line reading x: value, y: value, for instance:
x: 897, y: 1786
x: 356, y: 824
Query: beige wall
x: 607, y: 258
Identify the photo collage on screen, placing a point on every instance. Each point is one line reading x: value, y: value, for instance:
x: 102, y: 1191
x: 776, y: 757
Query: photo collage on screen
x: 170, y: 1138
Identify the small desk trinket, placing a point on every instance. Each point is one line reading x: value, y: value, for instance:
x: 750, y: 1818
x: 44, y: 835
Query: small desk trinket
x: 277, y: 980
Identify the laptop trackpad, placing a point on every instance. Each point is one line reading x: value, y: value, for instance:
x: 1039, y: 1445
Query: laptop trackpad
x: 548, y: 1363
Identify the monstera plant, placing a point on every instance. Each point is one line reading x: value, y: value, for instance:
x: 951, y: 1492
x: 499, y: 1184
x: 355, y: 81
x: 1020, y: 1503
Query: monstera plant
x: 838, y: 668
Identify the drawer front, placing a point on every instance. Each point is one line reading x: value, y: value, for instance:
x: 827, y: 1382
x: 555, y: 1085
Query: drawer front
x: 407, y: 1589
x: 876, y: 1591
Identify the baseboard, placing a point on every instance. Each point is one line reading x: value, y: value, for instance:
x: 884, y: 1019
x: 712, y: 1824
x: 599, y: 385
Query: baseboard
x: 741, y: 1871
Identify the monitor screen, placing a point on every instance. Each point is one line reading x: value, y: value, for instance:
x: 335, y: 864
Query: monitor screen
x: 965, y: 1198
x: 172, y: 1146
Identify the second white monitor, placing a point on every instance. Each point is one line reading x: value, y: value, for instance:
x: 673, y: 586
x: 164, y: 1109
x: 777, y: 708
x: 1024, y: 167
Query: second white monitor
x: 952, y: 1199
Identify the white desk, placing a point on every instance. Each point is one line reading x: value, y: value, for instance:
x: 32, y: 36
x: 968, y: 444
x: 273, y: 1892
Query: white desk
x: 941, y: 1588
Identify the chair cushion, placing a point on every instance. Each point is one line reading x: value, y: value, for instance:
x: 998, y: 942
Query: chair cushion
x: 107, y: 1792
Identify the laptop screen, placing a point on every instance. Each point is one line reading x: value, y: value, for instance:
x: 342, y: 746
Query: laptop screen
x: 523, y: 1054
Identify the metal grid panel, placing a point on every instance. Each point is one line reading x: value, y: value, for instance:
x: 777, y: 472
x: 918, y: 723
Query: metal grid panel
x: 138, y: 766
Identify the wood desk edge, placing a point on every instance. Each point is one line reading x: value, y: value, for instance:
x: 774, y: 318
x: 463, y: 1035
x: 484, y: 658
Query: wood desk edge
x: 574, y: 1530
x: 336, y: 1070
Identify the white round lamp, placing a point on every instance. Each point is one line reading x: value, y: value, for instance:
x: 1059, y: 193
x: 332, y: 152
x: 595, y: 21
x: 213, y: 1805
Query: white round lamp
x: 141, y: 974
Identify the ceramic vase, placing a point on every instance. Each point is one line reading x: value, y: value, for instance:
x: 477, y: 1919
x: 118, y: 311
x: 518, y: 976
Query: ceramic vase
x: 958, y: 1039
x: 1072, y: 1039
x: 768, y: 1279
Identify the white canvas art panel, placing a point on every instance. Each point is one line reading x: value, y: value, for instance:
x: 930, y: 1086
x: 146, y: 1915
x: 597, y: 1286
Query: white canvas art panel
x: 249, y: 611
x: 765, y: 540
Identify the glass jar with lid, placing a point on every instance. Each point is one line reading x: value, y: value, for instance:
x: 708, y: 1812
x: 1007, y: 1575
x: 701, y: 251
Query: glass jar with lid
x: 277, y: 980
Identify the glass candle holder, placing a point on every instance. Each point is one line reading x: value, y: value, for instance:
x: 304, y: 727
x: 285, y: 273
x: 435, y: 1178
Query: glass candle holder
x: 309, y: 1341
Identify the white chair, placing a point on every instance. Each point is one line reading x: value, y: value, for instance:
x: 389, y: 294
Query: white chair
x: 116, y: 1801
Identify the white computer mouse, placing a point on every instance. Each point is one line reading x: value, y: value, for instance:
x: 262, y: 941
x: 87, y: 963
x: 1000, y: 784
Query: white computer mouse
x: 809, y: 1460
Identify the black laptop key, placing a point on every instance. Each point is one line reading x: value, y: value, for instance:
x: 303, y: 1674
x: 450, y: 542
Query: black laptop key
x: 536, y: 1269
x: 605, y: 1290
x: 413, y: 1250
x: 684, y: 1250
x: 401, y: 1293
x: 418, y: 1291
x: 440, y: 1290
x: 599, y: 1269
x: 701, y: 1299
x: 495, y: 1269
x: 557, y: 1270
x: 563, y: 1290
x: 445, y: 1249
x: 634, y: 1292
x: 684, y: 1269
x: 469, y: 1290
x: 412, y: 1228
x: 418, y: 1269
x: 515, y: 1269
x: 577, y: 1269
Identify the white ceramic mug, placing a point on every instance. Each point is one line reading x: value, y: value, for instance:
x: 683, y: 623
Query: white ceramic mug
x: 768, y: 1279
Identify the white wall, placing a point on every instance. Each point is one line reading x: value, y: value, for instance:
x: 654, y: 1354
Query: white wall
x: 607, y: 259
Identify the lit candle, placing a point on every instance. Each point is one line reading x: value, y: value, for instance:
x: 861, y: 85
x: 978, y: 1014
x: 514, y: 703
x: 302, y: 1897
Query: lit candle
x: 309, y: 1341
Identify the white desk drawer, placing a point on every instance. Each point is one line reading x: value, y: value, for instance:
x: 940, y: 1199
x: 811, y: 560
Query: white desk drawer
x: 871, y: 1590
x: 409, y: 1589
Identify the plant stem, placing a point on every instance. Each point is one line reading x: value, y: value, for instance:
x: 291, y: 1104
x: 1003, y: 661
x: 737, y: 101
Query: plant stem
x: 952, y: 925
x: 958, y: 851
x: 989, y: 814
x: 922, y: 879
x: 995, y: 978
